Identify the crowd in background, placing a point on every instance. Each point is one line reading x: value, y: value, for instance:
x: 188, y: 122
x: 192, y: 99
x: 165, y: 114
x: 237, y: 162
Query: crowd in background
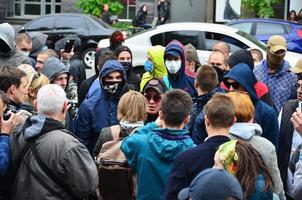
x: 230, y: 129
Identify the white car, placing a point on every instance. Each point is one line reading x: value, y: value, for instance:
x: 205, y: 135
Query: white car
x: 201, y: 35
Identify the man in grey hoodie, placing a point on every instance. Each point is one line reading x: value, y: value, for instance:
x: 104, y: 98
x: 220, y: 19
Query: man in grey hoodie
x: 68, y: 172
x: 9, y: 55
x: 58, y: 73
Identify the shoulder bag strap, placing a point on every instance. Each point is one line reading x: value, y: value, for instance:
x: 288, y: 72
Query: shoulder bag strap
x: 39, y: 179
x: 49, y: 173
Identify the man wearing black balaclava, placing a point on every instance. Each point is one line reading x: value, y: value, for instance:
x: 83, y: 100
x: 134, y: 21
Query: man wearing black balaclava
x: 101, y: 110
x: 217, y: 60
x: 274, y: 72
x: 124, y: 56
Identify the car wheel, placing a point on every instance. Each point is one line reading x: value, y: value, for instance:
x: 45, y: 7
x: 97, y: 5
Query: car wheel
x: 88, y: 58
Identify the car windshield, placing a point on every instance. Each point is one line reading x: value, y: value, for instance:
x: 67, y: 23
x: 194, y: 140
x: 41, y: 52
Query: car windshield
x: 252, y: 39
x: 101, y: 22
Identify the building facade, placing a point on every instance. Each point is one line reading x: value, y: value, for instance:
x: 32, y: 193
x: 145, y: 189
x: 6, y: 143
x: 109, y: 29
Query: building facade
x: 189, y: 10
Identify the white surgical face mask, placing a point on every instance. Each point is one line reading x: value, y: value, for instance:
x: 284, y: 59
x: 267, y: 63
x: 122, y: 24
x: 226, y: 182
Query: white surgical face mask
x: 173, y: 66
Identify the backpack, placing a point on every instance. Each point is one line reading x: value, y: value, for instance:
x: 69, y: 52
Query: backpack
x: 115, y: 175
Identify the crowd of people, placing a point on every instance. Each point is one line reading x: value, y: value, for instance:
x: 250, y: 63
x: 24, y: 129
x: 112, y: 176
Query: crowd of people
x: 229, y: 129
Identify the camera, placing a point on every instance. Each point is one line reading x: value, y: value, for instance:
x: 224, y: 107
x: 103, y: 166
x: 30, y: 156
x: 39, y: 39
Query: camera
x: 12, y: 109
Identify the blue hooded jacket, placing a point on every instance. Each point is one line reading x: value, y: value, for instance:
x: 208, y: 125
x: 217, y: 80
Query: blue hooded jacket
x: 181, y: 80
x: 99, y: 111
x: 151, y: 152
x: 265, y: 115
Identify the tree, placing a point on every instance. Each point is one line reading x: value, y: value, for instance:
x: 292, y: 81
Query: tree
x: 94, y: 7
x: 262, y: 8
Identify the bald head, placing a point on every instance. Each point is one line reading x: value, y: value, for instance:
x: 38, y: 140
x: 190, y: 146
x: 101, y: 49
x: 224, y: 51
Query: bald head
x: 222, y: 47
x: 218, y: 59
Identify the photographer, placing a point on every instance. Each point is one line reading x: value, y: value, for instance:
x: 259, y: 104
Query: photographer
x: 14, y: 83
x: 6, y: 127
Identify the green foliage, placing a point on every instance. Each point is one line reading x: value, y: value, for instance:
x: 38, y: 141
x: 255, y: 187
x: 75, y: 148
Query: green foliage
x: 122, y: 25
x: 263, y: 8
x: 94, y: 7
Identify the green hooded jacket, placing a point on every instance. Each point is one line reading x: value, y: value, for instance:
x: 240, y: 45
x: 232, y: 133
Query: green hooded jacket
x: 156, y: 55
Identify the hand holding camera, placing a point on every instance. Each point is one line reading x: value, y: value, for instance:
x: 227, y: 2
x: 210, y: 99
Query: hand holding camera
x: 8, y: 125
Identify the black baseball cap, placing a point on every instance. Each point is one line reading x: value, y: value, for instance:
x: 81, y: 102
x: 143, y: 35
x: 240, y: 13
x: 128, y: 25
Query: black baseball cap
x: 157, y: 84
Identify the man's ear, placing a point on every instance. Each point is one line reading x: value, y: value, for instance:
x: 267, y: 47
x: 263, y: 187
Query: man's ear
x: 187, y: 119
x: 160, y: 114
x: 65, y: 107
x: 196, y: 84
x: 234, y: 120
x: 12, y: 89
x: 206, y: 121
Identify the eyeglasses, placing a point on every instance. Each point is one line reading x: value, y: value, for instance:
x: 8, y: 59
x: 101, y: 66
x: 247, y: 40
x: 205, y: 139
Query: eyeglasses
x: 235, y: 85
x: 155, y: 98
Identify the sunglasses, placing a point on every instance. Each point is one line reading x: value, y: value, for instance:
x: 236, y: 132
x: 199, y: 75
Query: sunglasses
x: 155, y: 98
x: 36, y: 76
x: 235, y: 85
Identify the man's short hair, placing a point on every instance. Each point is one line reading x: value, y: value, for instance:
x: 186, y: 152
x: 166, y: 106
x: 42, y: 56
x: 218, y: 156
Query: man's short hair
x: 9, y: 76
x: 50, y: 99
x: 175, y: 106
x: 49, y: 53
x: 23, y: 37
x: 206, y: 78
x: 220, y: 111
x: 223, y: 44
x: 4, y: 98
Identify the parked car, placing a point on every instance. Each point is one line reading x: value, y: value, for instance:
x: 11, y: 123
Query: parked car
x: 88, y: 28
x: 262, y: 29
x: 202, y: 35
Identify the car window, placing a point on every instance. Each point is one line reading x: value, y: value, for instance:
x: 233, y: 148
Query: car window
x: 157, y: 39
x: 269, y: 29
x: 212, y: 38
x: 252, y: 39
x: 196, y: 38
x: 40, y: 24
x: 70, y: 22
x: 91, y: 24
x: 246, y: 27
